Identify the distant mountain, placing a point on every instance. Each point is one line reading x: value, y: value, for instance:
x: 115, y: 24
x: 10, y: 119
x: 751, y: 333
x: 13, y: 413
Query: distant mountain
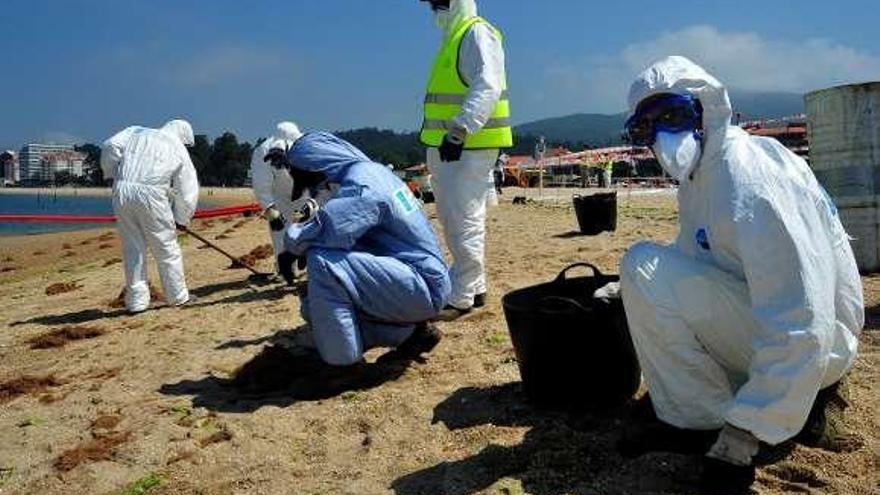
x: 592, y: 128
x: 602, y: 130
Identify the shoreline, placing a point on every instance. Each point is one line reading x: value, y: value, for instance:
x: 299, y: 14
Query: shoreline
x: 218, y: 197
x: 214, y: 193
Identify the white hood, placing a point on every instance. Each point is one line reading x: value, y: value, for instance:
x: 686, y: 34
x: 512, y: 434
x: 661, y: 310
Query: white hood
x: 678, y: 75
x: 182, y: 130
x: 459, y: 11
x: 288, y: 132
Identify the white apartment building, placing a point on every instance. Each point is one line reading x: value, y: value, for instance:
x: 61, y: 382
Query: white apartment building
x: 41, y: 163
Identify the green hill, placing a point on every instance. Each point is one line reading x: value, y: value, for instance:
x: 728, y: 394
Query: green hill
x: 603, y: 130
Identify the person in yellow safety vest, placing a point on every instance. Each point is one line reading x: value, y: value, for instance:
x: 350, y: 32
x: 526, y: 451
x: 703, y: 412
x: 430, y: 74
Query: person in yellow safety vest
x: 466, y: 122
x: 608, y: 171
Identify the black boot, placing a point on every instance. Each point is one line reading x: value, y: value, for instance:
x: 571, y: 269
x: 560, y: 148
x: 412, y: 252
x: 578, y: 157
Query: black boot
x: 825, y: 426
x: 423, y: 340
x: 721, y: 478
x: 657, y: 436
x: 451, y: 313
x: 480, y: 300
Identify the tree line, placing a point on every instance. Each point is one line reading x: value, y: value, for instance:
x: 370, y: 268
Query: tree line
x: 225, y: 161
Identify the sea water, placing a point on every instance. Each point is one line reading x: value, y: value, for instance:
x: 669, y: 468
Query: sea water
x: 49, y: 203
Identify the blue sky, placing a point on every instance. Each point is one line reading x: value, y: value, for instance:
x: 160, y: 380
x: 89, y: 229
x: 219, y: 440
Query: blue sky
x: 79, y: 70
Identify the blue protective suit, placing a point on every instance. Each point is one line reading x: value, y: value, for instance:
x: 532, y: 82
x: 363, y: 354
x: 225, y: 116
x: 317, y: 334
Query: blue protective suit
x: 375, y: 267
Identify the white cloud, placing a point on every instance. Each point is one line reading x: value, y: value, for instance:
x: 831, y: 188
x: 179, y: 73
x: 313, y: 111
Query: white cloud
x: 742, y: 60
x: 226, y: 63
x: 60, y: 137
x: 197, y: 66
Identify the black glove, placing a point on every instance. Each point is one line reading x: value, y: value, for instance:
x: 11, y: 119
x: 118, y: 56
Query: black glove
x: 451, y: 149
x: 275, y: 218
x: 277, y: 224
x: 277, y: 157
x: 285, y: 267
x: 308, y: 211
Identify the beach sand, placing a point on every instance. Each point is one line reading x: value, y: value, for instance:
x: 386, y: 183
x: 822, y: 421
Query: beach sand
x: 143, y: 399
x: 207, y: 192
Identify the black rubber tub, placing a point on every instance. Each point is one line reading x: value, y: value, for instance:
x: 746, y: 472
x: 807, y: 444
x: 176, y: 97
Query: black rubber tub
x: 596, y: 213
x: 574, y: 351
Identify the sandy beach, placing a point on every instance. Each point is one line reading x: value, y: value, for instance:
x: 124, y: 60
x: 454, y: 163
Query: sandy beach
x: 143, y: 401
x: 213, y: 193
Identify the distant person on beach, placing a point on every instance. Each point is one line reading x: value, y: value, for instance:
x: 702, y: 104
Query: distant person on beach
x: 272, y: 186
x: 376, y: 272
x: 466, y: 122
x: 608, y: 172
x: 155, y: 190
x: 747, y: 325
x: 498, y: 173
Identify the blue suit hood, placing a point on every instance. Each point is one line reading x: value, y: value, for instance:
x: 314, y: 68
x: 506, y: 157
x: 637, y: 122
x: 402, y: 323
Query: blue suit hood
x: 325, y: 153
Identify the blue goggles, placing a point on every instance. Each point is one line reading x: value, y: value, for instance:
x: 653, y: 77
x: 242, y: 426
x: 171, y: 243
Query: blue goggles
x: 663, y: 113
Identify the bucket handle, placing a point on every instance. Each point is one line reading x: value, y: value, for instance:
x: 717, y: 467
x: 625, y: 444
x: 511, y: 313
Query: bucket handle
x: 570, y: 302
x: 563, y: 274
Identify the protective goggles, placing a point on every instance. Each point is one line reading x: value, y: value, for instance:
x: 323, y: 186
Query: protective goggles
x: 663, y: 113
x: 438, y: 4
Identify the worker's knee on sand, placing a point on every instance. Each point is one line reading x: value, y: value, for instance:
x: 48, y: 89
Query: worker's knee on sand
x: 338, y: 355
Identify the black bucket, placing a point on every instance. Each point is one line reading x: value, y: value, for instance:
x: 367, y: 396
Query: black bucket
x: 596, y: 213
x: 574, y: 351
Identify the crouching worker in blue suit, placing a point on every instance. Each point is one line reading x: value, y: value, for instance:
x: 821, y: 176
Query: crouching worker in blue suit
x: 376, y: 275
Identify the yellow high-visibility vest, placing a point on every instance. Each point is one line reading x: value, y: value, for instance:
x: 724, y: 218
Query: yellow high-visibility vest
x: 446, y: 95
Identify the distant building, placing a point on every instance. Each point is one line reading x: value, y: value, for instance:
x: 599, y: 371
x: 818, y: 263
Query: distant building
x: 790, y: 131
x: 10, y: 169
x: 44, y: 163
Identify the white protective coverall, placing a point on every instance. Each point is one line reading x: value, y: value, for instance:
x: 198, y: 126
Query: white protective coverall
x: 273, y: 187
x: 464, y: 188
x: 155, y: 187
x: 758, y: 305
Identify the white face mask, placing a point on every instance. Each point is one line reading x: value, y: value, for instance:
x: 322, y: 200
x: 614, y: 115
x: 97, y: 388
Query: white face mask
x: 678, y: 154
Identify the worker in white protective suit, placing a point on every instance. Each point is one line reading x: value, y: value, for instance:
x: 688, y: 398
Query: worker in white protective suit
x: 155, y: 189
x: 746, y: 326
x: 272, y: 186
x: 466, y: 122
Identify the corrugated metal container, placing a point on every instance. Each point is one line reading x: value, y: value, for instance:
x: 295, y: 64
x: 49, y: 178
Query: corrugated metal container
x: 844, y: 133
